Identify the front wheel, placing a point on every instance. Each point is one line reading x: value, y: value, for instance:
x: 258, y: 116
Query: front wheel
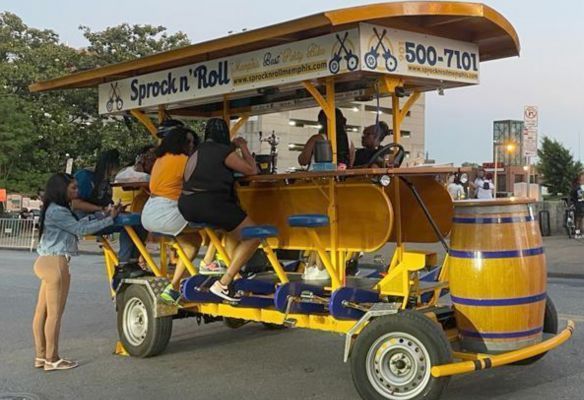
x: 393, y: 356
x: 141, y: 334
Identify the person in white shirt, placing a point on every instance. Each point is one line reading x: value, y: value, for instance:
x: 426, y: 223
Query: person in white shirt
x: 484, y: 186
x: 455, y: 188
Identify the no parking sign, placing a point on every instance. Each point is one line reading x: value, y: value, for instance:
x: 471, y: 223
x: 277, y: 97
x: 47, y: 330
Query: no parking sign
x: 530, y: 125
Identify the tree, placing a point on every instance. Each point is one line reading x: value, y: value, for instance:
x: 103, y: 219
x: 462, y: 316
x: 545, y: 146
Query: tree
x: 557, y: 166
x: 38, y: 130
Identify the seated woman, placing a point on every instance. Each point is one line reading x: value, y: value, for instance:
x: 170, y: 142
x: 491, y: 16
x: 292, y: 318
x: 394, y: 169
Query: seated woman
x: 208, y: 196
x: 371, y: 140
x: 160, y: 214
x: 95, y: 195
x: 345, y: 148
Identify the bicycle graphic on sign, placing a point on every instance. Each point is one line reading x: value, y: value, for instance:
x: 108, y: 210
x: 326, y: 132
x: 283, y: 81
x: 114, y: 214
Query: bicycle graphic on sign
x: 372, y: 56
x: 114, y: 97
x: 350, y: 57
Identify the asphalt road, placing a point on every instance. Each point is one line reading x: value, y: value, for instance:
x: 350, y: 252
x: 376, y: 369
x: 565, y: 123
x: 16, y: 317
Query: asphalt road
x: 215, y: 362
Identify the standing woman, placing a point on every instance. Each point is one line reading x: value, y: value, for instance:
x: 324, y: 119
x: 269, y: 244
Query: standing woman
x: 208, y: 196
x: 59, y: 233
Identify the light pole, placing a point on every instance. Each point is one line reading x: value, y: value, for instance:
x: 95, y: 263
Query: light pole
x: 509, y: 148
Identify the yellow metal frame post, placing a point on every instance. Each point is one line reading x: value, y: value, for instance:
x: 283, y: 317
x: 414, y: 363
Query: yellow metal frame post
x: 238, y: 125
x: 111, y: 260
x: 328, y: 106
x: 146, y: 121
x: 226, y: 115
x: 162, y: 114
x: 398, y: 282
x: 274, y: 262
x: 143, y: 251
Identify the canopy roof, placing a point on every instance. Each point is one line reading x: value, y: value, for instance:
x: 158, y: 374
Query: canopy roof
x: 468, y: 22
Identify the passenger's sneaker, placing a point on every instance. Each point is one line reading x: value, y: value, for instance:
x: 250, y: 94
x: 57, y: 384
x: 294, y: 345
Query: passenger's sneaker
x: 169, y: 295
x: 215, y: 268
x: 309, y: 271
x: 131, y: 270
x: 218, y: 289
x: 316, y: 274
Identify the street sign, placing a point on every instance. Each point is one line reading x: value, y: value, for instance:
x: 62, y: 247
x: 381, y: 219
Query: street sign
x: 530, y: 126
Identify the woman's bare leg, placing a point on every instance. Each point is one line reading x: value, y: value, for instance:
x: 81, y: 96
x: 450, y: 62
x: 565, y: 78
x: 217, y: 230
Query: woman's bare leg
x: 190, y: 243
x: 38, y: 323
x: 241, y: 252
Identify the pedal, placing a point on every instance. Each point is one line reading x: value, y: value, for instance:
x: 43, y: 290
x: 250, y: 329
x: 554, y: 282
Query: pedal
x: 290, y: 322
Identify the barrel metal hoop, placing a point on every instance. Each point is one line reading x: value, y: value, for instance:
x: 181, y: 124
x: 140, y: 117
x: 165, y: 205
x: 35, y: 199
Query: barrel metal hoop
x: 499, y: 302
x: 496, y: 254
x: 499, y: 220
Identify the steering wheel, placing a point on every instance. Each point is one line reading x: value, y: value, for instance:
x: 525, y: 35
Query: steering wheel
x: 378, y: 157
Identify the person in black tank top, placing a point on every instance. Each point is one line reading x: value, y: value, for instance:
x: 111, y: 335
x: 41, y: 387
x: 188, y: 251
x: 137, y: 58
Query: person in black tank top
x: 208, y: 195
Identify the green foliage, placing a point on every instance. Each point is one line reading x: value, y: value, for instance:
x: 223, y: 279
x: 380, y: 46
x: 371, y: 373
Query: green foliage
x: 39, y: 130
x: 557, y: 166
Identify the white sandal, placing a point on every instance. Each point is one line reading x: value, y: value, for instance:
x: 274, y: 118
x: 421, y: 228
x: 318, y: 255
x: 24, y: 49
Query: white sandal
x: 60, y: 365
x: 39, y: 362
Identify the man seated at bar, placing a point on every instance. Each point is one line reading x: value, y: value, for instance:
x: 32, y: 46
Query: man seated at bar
x: 345, y: 149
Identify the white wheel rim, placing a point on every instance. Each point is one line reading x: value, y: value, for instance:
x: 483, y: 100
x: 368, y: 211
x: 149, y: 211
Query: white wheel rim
x: 398, y: 366
x: 135, y: 321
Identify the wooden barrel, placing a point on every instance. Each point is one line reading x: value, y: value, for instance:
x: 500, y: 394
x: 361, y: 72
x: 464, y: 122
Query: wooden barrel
x: 497, y: 275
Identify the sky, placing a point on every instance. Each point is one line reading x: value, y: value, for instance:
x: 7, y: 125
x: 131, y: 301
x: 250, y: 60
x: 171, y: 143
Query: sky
x: 548, y: 73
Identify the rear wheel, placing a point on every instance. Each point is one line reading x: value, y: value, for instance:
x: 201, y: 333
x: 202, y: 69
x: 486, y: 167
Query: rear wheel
x: 550, y: 326
x: 141, y: 334
x: 273, y: 327
x: 393, y: 356
x: 234, y: 323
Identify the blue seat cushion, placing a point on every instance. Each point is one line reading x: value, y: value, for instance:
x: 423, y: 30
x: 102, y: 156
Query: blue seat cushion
x: 308, y: 220
x: 259, y: 232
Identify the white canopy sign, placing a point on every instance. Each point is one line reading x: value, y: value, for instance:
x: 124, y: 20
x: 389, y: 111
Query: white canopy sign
x: 367, y: 48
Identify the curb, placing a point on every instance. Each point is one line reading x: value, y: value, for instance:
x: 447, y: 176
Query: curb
x: 565, y: 275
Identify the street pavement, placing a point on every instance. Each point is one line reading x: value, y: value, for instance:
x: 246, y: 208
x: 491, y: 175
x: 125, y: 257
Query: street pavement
x: 215, y: 362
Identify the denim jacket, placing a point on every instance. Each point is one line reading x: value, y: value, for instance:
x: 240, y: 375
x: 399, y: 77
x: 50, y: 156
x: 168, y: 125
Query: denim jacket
x: 62, y: 231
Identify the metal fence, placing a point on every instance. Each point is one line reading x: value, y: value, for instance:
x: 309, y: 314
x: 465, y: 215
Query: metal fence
x: 18, y: 233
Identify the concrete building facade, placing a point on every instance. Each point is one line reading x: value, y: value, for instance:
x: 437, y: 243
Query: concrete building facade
x: 296, y: 127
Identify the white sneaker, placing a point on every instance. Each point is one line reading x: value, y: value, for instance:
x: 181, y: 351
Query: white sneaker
x: 308, y: 271
x: 223, y: 291
x: 315, y: 274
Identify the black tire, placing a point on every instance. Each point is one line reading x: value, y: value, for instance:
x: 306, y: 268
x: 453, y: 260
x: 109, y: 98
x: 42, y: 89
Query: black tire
x: 550, y: 325
x: 334, y: 66
x: 141, y: 341
x: 234, y: 323
x: 273, y: 327
x: 415, y: 340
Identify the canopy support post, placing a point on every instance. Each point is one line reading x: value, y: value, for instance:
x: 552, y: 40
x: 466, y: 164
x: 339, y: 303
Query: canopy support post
x: 146, y: 121
x: 327, y: 103
x: 238, y: 124
x: 162, y: 114
x: 392, y: 85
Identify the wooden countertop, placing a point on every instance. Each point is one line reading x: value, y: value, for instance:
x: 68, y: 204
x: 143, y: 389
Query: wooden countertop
x: 406, y: 171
